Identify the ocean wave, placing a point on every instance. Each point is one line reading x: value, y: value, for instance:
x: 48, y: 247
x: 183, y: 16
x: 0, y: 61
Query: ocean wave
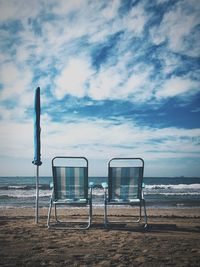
x: 97, y: 192
x: 24, y: 187
x: 172, y: 186
x: 23, y: 193
x: 42, y: 193
x: 98, y: 188
x: 28, y: 191
x: 173, y: 194
x: 6, y: 197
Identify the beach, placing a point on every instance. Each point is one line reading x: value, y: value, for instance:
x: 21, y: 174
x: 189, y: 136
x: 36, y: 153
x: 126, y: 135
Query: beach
x: 172, y: 239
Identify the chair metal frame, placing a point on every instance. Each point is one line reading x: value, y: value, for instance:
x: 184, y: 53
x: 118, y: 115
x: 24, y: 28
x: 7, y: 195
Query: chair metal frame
x: 61, y: 202
x: 139, y: 201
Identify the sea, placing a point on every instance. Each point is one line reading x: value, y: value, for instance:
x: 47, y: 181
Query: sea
x: 159, y: 192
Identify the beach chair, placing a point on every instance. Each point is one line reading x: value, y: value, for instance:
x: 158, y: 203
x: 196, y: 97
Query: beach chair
x: 71, y: 189
x: 125, y: 187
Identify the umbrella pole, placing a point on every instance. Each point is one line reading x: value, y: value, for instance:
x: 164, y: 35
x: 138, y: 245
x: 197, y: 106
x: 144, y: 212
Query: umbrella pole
x: 37, y: 194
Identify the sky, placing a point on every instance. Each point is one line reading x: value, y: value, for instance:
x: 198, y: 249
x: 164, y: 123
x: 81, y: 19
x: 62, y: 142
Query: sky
x: 117, y: 78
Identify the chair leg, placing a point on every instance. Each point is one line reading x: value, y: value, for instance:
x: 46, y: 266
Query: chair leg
x: 49, y: 213
x: 90, y: 212
x: 90, y: 207
x: 89, y: 222
x: 105, y: 215
x: 56, y: 217
x: 105, y: 210
x: 140, y: 214
x: 145, y: 215
x: 140, y: 210
x: 138, y: 219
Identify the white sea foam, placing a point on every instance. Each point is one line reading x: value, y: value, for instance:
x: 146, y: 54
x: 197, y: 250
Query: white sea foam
x: 17, y: 186
x: 173, y: 187
x: 97, y: 192
x: 174, y: 193
x: 180, y: 189
x: 24, y: 193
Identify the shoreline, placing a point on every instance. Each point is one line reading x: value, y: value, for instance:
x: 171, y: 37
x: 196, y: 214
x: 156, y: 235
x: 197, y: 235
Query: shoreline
x: 98, y: 211
x: 171, y: 240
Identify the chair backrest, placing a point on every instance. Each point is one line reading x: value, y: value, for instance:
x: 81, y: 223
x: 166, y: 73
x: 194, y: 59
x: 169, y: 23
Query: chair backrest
x: 125, y: 182
x: 70, y: 182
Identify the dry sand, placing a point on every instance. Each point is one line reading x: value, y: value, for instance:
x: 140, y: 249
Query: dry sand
x: 173, y: 239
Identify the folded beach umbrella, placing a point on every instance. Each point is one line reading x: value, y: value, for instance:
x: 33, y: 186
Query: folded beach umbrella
x: 37, y: 154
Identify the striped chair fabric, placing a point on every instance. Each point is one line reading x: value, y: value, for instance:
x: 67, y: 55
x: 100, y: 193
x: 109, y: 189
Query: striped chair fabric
x: 125, y: 183
x: 70, y: 184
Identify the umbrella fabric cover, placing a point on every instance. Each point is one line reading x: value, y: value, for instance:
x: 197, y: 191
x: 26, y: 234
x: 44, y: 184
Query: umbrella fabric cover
x: 37, y: 155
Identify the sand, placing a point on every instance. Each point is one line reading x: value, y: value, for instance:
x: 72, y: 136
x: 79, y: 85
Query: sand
x: 173, y: 239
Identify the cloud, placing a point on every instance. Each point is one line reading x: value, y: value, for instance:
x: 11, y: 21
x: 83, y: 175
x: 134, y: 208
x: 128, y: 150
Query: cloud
x: 74, y: 74
x: 16, y: 139
x: 18, y: 9
x: 136, y: 20
x: 66, y: 7
x: 177, y: 86
x: 73, y: 79
x: 104, y: 83
x: 101, y: 139
x: 115, y: 82
x: 16, y: 81
x: 138, y: 86
x: 178, y: 27
x: 111, y: 10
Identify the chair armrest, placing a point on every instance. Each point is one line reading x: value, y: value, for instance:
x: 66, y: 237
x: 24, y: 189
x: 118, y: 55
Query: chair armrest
x: 104, y: 185
x: 142, y: 191
x: 51, y: 185
x: 91, y: 184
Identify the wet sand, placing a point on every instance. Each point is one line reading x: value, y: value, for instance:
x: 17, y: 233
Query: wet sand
x: 172, y: 239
